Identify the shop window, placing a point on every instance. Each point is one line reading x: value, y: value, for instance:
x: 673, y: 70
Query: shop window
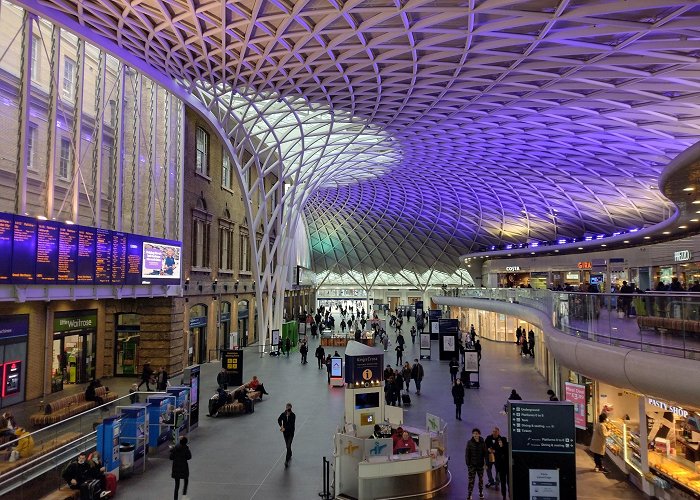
x: 226, y: 236
x: 202, y: 159
x: 226, y: 173
x: 35, y: 68
x: 201, y: 229
x: 65, y: 158
x: 68, y: 77
x: 126, y: 347
x: 244, y: 251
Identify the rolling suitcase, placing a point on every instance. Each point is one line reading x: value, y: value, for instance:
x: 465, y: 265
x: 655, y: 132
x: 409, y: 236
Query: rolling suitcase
x: 90, y: 490
x: 406, y: 398
x: 111, y: 484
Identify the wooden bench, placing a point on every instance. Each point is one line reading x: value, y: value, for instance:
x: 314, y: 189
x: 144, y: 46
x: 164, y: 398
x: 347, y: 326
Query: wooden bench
x: 69, y: 406
x: 63, y: 493
x: 41, y: 449
x: 236, y: 407
x: 669, y: 324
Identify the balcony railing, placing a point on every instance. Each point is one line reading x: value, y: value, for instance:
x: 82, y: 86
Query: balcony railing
x: 662, y: 322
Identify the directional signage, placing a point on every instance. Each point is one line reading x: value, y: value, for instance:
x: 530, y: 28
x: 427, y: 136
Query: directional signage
x: 336, y: 367
x: 543, y: 451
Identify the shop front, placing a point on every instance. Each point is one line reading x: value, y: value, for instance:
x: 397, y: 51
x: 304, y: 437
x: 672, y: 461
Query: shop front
x: 74, y: 347
x: 657, y: 439
x: 14, y: 331
x: 197, y: 346
x: 126, y: 347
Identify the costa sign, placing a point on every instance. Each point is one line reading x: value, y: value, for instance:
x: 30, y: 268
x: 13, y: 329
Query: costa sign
x: 511, y: 269
x: 585, y: 265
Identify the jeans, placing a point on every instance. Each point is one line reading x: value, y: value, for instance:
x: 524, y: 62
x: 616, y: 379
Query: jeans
x: 288, y: 438
x: 598, y: 459
x: 417, y: 384
x: 473, y: 471
x: 177, y: 486
x: 503, y: 473
x: 489, y: 474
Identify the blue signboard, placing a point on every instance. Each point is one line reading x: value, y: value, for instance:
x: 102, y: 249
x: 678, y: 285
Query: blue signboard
x: 14, y: 326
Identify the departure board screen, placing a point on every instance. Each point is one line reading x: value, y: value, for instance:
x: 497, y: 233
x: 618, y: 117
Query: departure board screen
x: 23, y: 249
x: 44, y: 252
x: 6, y: 221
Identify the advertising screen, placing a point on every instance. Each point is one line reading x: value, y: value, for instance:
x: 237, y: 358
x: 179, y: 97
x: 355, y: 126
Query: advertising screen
x: 366, y: 400
x: 160, y: 261
x: 336, y: 367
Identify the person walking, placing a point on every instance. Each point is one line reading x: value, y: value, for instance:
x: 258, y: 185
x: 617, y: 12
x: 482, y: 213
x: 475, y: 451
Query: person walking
x: 502, y: 462
x: 417, y: 374
x: 600, y: 434
x: 531, y: 342
x: 179, y: 455
x: 413, y: 334
x: 406, y: 373
x: 162, y: 380
x: 287, y: 421
x: 454, y: 368
x: 320, y: 356
x: 146, y: 375
x: 399, y: 354
x: 287, y: 345
x: 475, y: 456
x: 477, y: 348
x: 458, y: 397
x: 328, y: 368
x: 490, y: 443
x: 303, y: 350
x: 518, y: 334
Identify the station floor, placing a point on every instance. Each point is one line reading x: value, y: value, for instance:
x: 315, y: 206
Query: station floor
x: 242, y: 457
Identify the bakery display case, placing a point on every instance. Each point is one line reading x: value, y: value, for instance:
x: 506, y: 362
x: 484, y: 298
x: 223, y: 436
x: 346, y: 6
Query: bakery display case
x: 623, y: 443
x: 682, y: 473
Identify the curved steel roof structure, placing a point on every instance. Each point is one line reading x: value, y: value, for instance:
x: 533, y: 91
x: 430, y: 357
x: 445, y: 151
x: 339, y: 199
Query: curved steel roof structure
x: 413, y: 131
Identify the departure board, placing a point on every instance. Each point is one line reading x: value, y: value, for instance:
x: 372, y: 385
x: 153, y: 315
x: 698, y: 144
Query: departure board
x: 45, y: 252
x: 23, y: 249
x: 6, y: 221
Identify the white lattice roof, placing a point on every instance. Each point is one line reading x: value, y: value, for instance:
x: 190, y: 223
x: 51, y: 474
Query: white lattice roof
x: 421, y: 130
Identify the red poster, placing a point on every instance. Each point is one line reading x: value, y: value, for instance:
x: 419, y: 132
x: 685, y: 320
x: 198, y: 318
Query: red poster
x: 577, y: 395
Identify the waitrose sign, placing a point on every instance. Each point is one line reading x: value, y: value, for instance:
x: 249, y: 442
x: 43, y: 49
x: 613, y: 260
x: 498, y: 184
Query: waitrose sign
x: 79, y: 323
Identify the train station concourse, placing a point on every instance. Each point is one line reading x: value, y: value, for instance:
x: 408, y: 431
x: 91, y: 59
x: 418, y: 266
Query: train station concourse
x: 467, y: 215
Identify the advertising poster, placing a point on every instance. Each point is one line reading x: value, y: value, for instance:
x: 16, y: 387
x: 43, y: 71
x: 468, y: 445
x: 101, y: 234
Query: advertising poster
x: 471, y: 361
x: 434, y: 327
x: 448, y: 343
x: 576, y: 394
x: 160, y: 260
x: 275, y: 337
x: 425, y: 341
x: 544, y: 484
x: 336, y: 367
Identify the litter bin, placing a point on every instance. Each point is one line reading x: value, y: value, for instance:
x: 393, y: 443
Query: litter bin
x: 126, y: 458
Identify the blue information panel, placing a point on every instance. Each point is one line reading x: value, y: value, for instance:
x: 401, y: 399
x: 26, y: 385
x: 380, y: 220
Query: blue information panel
x: 48, y: 252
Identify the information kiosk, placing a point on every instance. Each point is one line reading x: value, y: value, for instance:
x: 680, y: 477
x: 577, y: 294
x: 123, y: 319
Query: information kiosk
x: 159, y: 409
x: 337, y: 372
x: 369, y: 467
x: 108, y: 443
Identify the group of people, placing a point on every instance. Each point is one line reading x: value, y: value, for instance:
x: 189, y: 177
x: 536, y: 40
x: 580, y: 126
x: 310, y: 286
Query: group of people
x: 490, y: 453
x: 395, y: 379
x: 150, y: 377
x: 526, y: 341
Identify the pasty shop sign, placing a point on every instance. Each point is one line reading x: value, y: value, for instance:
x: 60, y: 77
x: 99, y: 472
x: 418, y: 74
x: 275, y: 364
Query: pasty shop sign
x: 676, y: 410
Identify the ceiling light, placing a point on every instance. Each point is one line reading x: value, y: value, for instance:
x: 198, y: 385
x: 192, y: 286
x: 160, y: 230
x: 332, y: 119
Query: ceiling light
x: 556, y: 251
x: 626, y: 241
x: 694, y: 220
x: 532, y: 253
x: 580, y: 248
x: 666, y: 232
x: 682, y: 227
x: 647, y: 237
x: 689, y: 188
x: 603, y: 245
x: 696, y: 202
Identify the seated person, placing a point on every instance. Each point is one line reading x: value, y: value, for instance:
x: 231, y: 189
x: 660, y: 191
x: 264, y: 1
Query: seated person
x: 133, y: 394
x: 377, y: 432
x: 97, y: 471
x: 397, y: 434
x: 404, y: 444
x: 24, y: 446
x: 256, y: 385
x: 90, y: 392
x: 242, y: 397
x: 223, y: 397
x: 76, y: 473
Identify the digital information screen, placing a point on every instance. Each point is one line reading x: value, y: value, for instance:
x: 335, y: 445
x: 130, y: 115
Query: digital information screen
x: 48, y: 252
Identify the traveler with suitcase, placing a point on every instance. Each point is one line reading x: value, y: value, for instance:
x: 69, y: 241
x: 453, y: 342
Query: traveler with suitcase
x: 79, y: 475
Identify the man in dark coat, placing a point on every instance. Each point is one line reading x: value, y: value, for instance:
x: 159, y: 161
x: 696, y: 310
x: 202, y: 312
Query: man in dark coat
x: 76, y: 473
x: 146, y: 375
x: 475, y: 456
x: 320, y: 355
x: 287, y: 421
x: 180, y: 454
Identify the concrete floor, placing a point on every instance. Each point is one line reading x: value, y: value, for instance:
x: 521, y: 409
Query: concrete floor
x: 242, y: 457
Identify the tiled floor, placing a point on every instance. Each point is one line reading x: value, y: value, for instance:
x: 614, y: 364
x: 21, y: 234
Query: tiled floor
x: 242, y: 457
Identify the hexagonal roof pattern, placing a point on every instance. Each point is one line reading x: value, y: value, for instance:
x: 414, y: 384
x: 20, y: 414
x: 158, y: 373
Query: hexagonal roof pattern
x: 509, y: 120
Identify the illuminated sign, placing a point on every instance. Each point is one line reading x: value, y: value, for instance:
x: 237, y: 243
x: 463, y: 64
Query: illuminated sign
x: 676, y: 410
x: 11, y: 378
x: 49, y: 252
x: 585, y: 265
x: 682, y: 256
x: 511, y: 269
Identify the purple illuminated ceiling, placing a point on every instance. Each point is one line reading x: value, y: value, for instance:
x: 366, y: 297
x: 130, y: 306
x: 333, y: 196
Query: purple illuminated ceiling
x: 516, y: 121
